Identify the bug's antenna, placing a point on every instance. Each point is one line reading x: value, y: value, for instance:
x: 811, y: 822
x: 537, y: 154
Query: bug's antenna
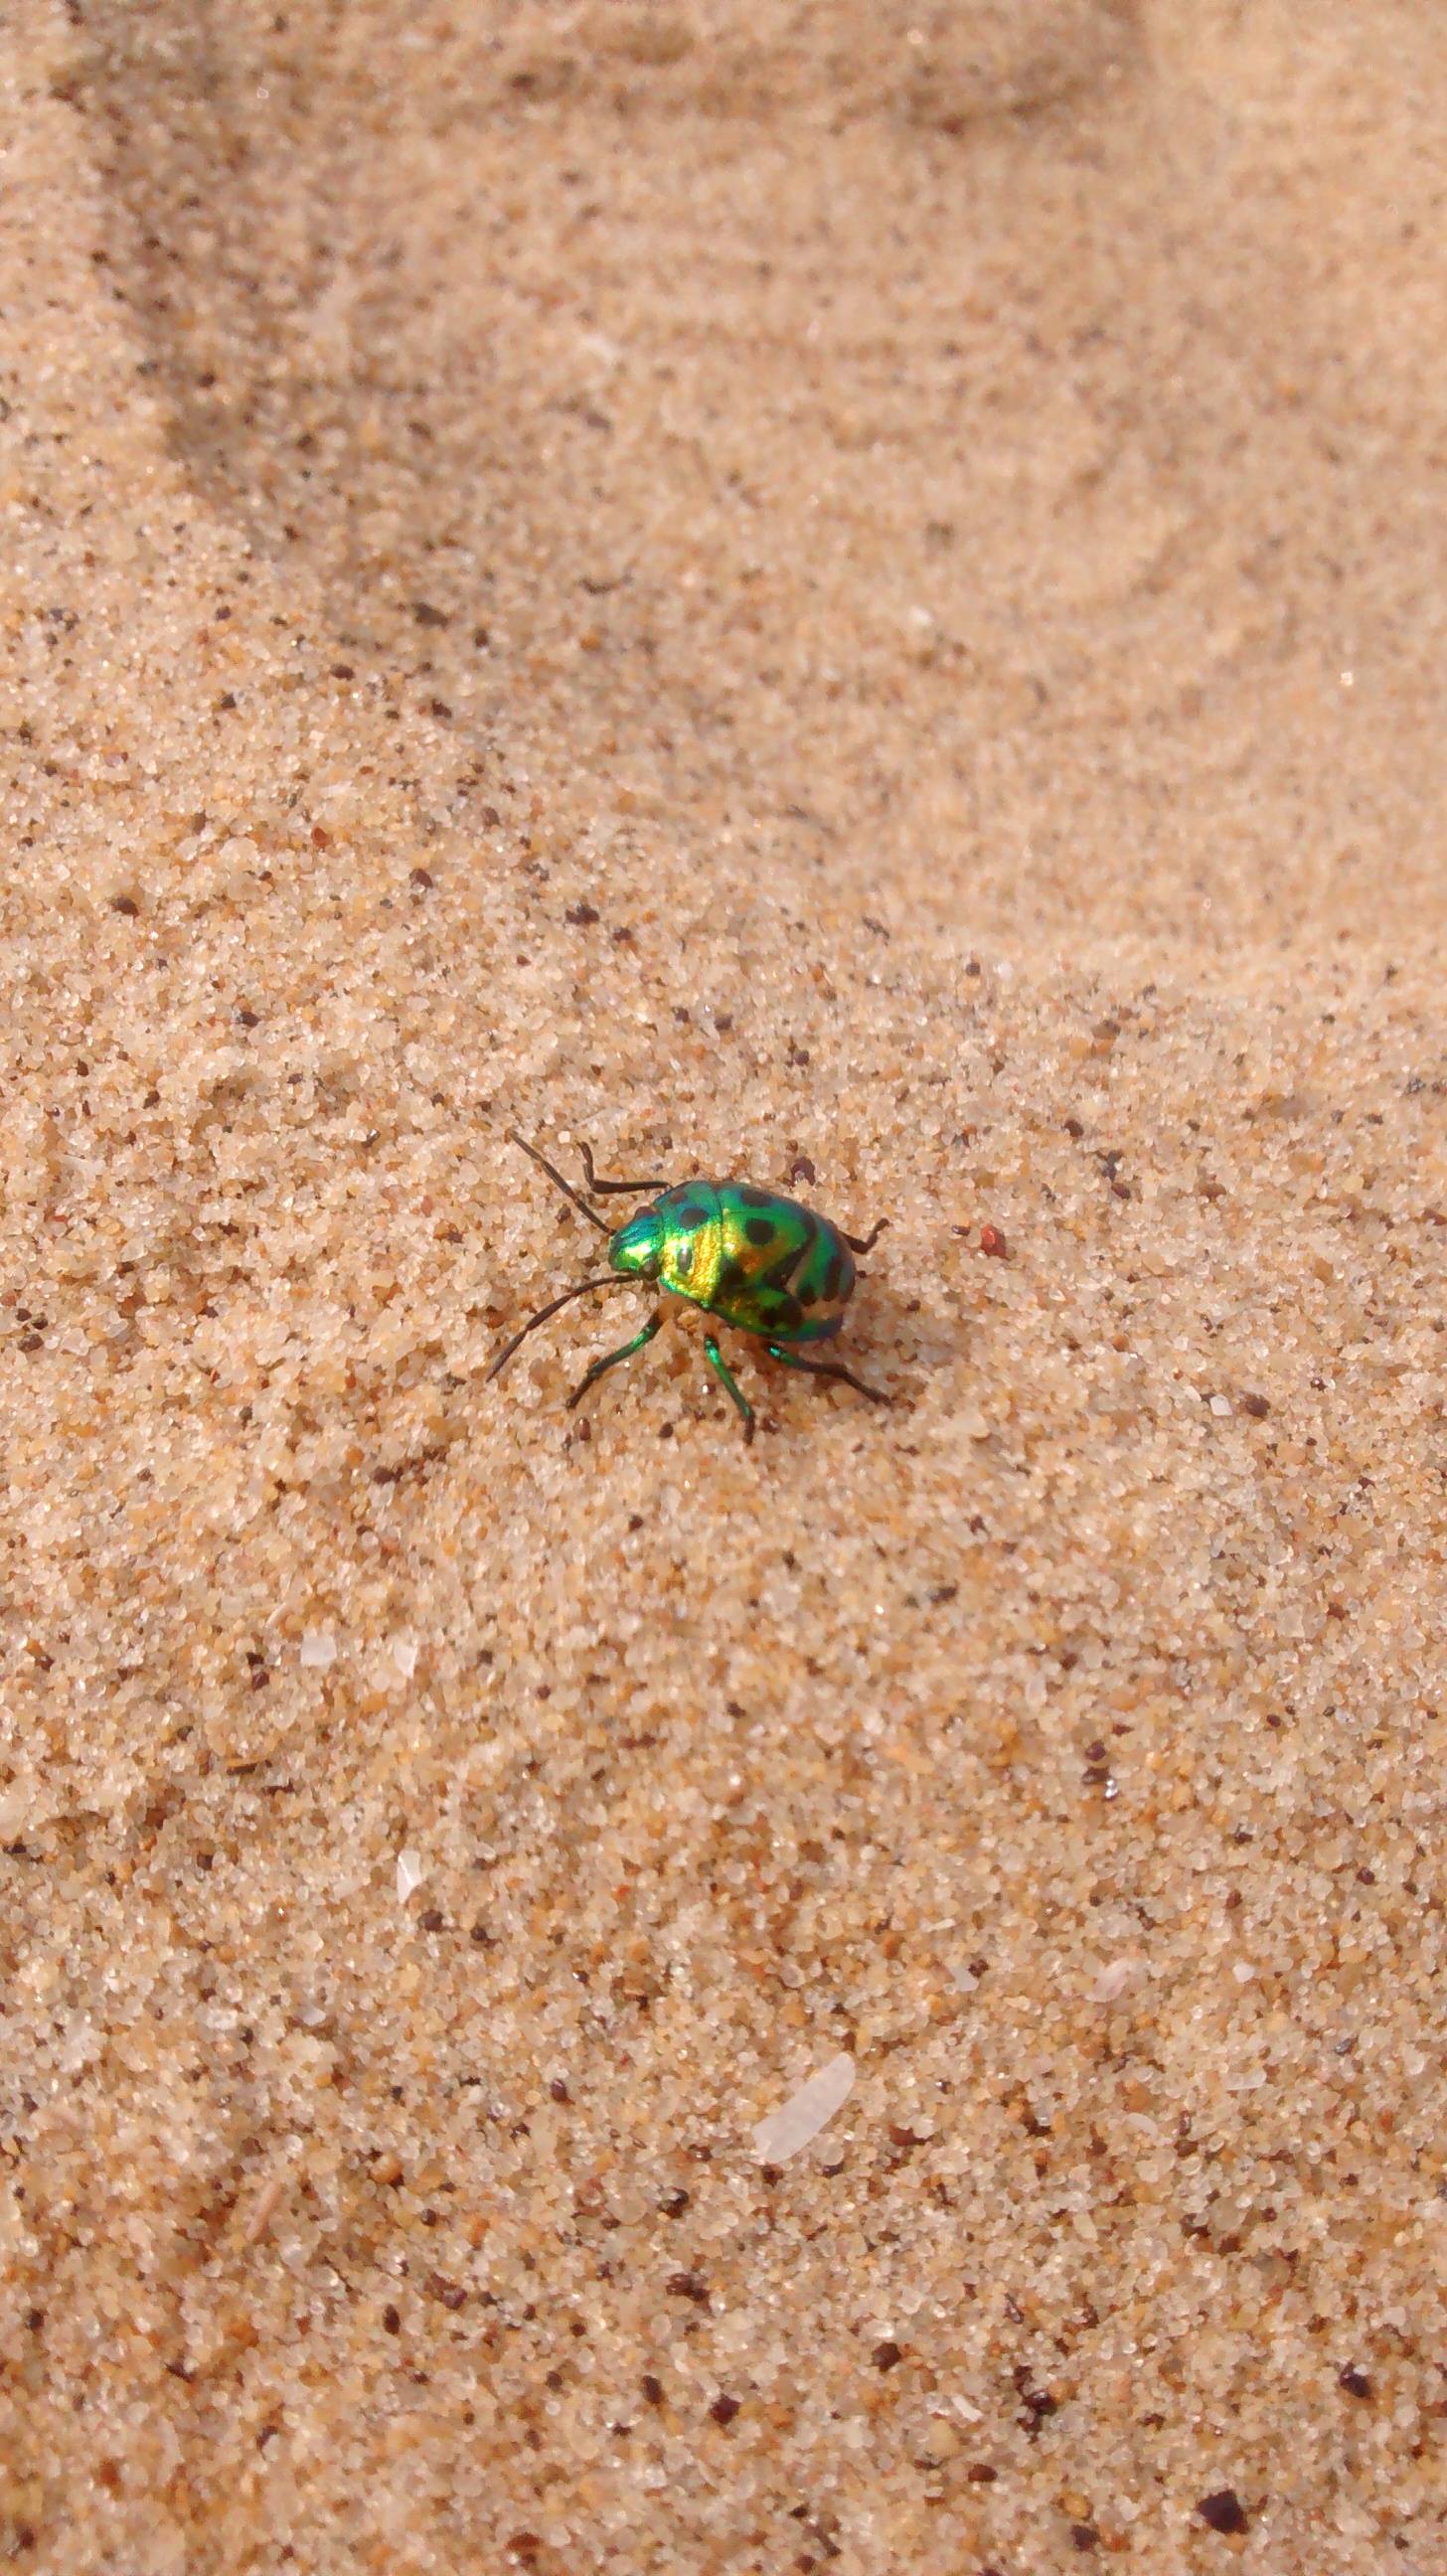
x: 568, y: 1191
x: 612, y: 1280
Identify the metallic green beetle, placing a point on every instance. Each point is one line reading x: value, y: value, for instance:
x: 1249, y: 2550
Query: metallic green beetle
x: 758, y: 1261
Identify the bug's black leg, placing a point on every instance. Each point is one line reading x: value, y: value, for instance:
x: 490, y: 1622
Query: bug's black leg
x: 611, y: 1359
x: 828, y: 1368
x: 584, y: 1288
x: 866, y: 1242
x: 613, y: 1189
x: 725, y: 1376
x: 556, y: 1177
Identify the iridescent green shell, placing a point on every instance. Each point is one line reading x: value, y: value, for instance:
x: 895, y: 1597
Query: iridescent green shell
x: 758, y: 1261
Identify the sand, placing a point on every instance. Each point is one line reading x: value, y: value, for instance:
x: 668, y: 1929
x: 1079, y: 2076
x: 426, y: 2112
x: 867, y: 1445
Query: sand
x: 855, y: 597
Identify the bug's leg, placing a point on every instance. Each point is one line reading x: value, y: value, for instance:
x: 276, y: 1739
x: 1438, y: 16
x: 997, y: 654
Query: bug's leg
x: 612, y: 1189
x: 725, y: 1376
x: 611, y: 1359
x: 828, y: 1368
x: 866, y: 1242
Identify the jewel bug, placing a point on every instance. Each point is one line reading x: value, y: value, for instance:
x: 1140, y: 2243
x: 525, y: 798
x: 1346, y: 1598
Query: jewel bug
x: 763, y: 1263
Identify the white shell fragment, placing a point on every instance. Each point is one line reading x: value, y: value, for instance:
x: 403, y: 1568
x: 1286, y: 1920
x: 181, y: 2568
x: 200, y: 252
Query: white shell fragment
x: 318, y: 1650
x: 805, y: 2113
x: 410, y: 1874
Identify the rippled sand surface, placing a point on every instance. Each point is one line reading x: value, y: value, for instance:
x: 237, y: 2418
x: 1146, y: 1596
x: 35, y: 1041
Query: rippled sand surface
x: 857, y: 597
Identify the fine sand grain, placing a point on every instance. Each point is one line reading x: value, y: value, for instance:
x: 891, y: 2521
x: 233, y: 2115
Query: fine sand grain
x: 853, y: 595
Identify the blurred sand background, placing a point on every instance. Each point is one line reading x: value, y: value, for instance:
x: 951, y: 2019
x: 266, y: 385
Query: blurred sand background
x: 843, y: 588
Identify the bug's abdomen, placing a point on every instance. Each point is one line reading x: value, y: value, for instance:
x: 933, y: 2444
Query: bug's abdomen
x: 823, y: 1283
x: 758, y: 1261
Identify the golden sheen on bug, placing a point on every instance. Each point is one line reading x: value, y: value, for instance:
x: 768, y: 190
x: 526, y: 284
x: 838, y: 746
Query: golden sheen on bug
x: 767, y: 1265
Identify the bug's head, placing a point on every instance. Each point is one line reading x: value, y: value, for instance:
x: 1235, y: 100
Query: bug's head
x: 636, y: 1250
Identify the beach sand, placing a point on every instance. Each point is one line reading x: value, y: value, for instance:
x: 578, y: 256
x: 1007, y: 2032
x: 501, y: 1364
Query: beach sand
x: 855, y: 597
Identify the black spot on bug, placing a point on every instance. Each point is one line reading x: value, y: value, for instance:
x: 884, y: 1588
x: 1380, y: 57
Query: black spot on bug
x: 730, y: 1279
x: 692, y: 1215
x: 748, y: 1196
x: 786, y: 1314
x: 803, y: 1260
x: 830, y: 1287
x: 759, y: 1229
x: 808, y: 1293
